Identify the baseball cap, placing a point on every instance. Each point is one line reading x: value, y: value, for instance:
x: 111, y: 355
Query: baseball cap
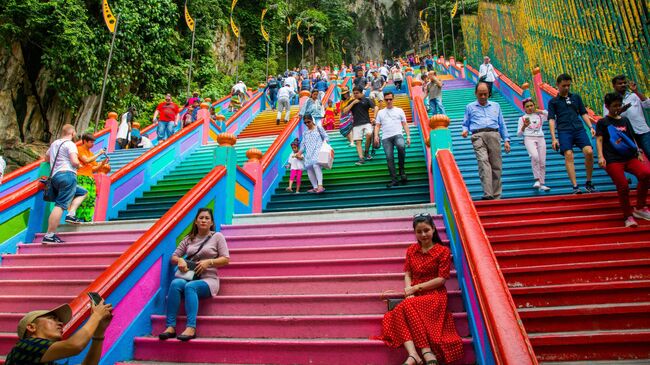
x: 62, y: 312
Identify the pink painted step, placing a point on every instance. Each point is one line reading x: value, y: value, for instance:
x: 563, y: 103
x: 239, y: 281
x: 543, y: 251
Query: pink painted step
x: 318, y: 284
x: 42, y: 287
x: 96, y: 247
x: 102, y: 258
x: 366, y: 250
x: 274, y: 351
x: 87, y: 272
x: 311, y: 304
x: 7, y: 341
x: 316, y: 227
x: 341, y: 266
x: 350, y: 326
x: 319, y: 239
x: 27, y: 303
x: 84, y: 237
x: 9, y: 321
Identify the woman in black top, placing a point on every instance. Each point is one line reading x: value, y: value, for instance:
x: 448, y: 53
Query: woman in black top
x: 618, y: 154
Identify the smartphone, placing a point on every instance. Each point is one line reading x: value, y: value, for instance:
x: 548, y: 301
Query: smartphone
x: 626, y: 106
x: 95, y: 298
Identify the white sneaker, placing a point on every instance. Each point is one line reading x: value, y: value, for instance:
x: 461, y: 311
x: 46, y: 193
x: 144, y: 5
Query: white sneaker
x: 352, y: 144
x: 544, y: 188
x: 642, y: 213
x: 630, y: 222
x: 537, y: 185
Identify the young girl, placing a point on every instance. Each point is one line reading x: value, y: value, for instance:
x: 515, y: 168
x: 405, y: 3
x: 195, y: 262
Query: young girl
x: 296, y: 164
x: 328, y: 124
x: 617, y: 154
x: 530, y: 126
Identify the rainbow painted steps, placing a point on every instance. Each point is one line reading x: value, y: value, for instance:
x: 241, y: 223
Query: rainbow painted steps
x: 517, y: 173
x: 121, y: 158
x: 580, y: 279
x: 44, y: 276
x: 291, y: 299
x: 349, y: 186
x: 264, y: 124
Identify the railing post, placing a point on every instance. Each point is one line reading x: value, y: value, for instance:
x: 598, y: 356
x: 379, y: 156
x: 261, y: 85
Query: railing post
x: 111, y: 123
x: 440, y: 136
x: 254, y: 168
x: 204, y: 115
x: 537, y: 84
x: 103, y: 189
x: 225, y: 155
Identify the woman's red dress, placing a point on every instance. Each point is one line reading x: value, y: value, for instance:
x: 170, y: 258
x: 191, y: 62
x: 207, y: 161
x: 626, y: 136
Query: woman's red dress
x: 425, y: 319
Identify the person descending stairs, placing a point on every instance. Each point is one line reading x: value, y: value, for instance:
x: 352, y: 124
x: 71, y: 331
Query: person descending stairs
x: 350, y: 186
x: 517, y: 173
x: 291, y: 298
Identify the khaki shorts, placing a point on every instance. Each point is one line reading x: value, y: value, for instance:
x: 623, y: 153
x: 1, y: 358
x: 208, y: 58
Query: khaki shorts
x: 359, y: 132
x: 377, y: 95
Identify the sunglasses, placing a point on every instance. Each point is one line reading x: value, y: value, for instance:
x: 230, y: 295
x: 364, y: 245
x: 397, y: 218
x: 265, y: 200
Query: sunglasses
x: 422, y: 215
x: 389, y: 99
x: 307, y: 122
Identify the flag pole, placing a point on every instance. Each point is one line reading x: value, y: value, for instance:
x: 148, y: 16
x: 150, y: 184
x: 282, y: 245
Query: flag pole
x: 189, y: 78
x: 442, y: 37
x: 453, y: 39
x: 237, y: 63
x: 108, y: 66
x: 267, y: 57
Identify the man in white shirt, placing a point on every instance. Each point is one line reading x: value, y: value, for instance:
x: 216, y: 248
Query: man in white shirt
x: 243, y: 90
x: 383, y: 71
x: 63, y: 156
x: 284, y: 96
x: 291, y: 80
x: 633, y: 104
x: 392, y: 122
x: 487, y: 71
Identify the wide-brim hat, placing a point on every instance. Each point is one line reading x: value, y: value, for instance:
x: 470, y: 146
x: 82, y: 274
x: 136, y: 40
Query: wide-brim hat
x: 345, y: 90
x: 62, y: 312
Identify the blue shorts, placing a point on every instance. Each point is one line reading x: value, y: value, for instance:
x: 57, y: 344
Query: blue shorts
x: 568, y: 139
x: 65, y: 188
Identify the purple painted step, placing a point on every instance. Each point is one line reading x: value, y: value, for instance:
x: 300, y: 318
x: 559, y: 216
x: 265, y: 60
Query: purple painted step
x: 104, y: 258
x: 321, y: 304
x: 274, y: 351
x: 457, y: 84
x: 72, y: 237
x: 96, y: 247
x: 318, y: 284
x: 350, y: 326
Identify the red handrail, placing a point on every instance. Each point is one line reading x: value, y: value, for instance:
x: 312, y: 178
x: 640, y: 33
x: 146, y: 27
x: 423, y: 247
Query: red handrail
x: 418, y: 104
x: 14, y: 174
x: 18, y: 196
x: 468, y: 67
x: 221, y: 100
x: 282, y: 138
x: 507, y: 335
x: 245, y: 173
x: 108, y: 280
x: 241, y: 111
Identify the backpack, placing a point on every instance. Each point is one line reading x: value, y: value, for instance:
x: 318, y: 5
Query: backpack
x: 273, y: 84
x: 621, y: 142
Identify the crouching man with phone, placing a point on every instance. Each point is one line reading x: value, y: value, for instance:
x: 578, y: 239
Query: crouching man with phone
x: 40, y: 336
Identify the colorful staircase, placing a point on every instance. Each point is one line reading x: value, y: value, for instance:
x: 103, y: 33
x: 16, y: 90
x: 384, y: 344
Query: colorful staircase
x: 517, y: 173
x: 44, y: 276
x: 287, y: 298
x: 580, y: 279
x: 121, y: 158
x: 348, y: 185
x: 264, y: 124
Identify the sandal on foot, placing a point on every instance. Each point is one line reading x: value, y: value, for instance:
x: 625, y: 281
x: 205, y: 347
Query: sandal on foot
x: 430, y: 362
x: 288, y: 190
x: 411, y: 357
x: 312, y: 190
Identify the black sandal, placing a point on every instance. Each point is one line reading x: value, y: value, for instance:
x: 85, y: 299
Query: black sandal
x: 411, y: 357
x: 430, y: 362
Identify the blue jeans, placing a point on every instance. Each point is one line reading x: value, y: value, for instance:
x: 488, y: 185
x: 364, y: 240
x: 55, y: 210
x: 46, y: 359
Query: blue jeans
x: 164, y: 130
x: 643, y: 140
x: 436, y: 107
x: 389, y: 145
x: 273, y: 97
x: 193, y: 290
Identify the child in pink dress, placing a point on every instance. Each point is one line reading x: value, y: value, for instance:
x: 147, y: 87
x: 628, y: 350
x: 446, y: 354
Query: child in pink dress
x: 296, y: 164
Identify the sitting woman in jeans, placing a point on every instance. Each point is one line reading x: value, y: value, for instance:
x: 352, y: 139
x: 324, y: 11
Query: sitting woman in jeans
x: 208, y: 250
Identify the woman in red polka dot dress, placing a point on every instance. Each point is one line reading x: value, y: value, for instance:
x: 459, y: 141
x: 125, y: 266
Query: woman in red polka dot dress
x: 422, y: 321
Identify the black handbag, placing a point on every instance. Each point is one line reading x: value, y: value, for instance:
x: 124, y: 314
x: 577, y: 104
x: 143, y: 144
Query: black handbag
x: 191, y: 264
x: 392, y: 303
x: 48, y: 193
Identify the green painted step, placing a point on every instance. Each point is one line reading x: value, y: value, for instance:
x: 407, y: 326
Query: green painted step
x: 349, y: 186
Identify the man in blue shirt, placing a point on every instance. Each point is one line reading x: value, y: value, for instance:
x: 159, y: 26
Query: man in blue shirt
x: 567, y: 111
x: 484, y: 119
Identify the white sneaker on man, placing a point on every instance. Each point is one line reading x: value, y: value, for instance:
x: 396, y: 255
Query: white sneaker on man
x: 630, y: 222
x: 537, y: 185
x: 544, y: 188
x: 642, y: 213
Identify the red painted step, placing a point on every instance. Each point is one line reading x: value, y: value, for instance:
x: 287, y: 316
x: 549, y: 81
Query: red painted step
x: 580, y: 279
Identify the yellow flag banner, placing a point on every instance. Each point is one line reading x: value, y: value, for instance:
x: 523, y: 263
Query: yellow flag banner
x: 235, y: 30
x: 343, y: 50
x: 109, y: 18
x: 188, y: 19
x: 420, y: 16
x: 265, y: 35
x: 300, y: 39
x: 289, y: 35
x: 232, y: 6
x: 455, y: 9
x: 311, y: 39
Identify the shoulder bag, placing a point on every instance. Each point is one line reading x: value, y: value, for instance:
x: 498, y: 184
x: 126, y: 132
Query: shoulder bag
x: 190, y: 274
x: 48, y: 193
